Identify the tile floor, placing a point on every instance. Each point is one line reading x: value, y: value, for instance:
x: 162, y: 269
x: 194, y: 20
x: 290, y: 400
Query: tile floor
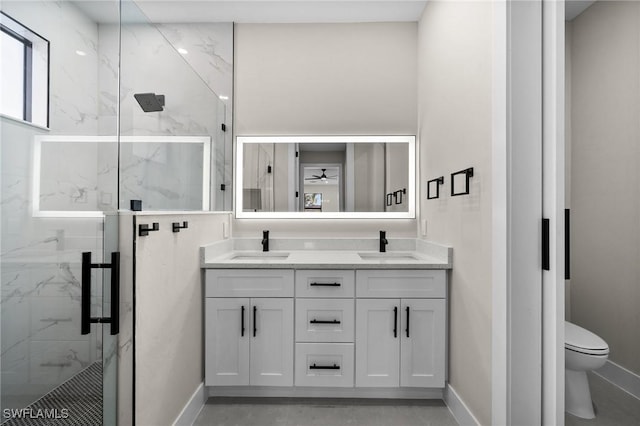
x: 614, y: 407
x: 323, y: 412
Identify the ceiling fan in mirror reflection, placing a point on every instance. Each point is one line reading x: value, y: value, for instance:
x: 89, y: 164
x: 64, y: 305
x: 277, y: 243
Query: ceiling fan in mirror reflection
x: 317, y: 177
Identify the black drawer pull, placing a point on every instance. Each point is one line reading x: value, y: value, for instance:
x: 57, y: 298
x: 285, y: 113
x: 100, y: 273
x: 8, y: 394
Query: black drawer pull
x: 242, y: 321
x: 315, y: 321
x: 325, y: 284
x: 324, y: 367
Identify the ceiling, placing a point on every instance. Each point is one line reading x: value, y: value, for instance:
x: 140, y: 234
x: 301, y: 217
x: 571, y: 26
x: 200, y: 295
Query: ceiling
x: 573, y: 8
x: 260, y: 11
x: 271, y: 11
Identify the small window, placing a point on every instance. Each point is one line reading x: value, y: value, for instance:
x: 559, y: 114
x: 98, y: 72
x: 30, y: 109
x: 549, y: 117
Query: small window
x: 24, y: 75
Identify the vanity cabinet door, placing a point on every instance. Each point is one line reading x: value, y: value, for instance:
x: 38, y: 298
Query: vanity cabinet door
x: 226, y: 343
x: 378, y: 342
x: 422, y: 346
x: 271, y: 330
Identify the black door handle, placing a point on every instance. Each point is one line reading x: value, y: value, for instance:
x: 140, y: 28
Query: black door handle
x: 545, y: 245
x: 315, y: 321
x: 115, y: 293
x: 242, y: 321
x: 324, y: 367
x: 395, y: 321
x: 567, y: 244
x: 407, y: 330
x: 255, y: 315
x: 85, y: 299
x: 325, y: 284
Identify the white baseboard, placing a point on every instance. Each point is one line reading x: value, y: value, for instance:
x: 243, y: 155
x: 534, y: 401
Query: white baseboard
x: 621, y: 377
x: 192, y: 408
x: 458, y: 408
x: 319, y: 392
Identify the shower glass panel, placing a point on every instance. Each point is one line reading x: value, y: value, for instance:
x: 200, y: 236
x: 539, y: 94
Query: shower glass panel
x: 172, y: 141
x: 57, y: 187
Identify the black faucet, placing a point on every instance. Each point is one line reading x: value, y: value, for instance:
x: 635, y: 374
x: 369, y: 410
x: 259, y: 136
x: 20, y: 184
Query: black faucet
x: 383, y: 241
x: 265, y: 240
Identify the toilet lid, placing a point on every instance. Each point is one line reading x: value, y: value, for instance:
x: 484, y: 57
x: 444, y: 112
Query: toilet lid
x: 580, y: 340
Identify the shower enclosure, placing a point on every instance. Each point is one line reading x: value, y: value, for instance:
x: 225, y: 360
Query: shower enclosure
x: 64, y: 179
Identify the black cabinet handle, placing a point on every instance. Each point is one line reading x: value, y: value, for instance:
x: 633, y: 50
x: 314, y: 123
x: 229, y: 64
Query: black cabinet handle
x: 395, y: 321
x: 315, y: 321
x: 324, y: 367
x: 407, y: 330
x: 255, y: 315
x: 85, y: 298
x: 325, y: 284
x: 242, y: 321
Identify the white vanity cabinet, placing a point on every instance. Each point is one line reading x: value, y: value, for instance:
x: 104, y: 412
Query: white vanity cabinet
x: 400, y: 342
x: 341, y: 332
x: 249, y: 340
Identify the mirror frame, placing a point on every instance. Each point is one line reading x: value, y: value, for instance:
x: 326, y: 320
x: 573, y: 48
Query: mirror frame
x: 239, y: 166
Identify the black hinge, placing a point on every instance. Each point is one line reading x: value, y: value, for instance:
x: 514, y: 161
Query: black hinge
x: 296, y: 194
x: 224, y: 127
x: 268, y: 169
x: 223, y: 187
x: 545, y: 245
x: 296, y: 154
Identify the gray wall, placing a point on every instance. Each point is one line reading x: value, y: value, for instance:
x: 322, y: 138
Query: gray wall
x: 325, y: 79
x: 605, y: 183
x: 455, y: 133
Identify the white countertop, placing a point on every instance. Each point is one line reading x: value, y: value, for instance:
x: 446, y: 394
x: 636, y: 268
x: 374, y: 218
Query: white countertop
x: 335, y: 254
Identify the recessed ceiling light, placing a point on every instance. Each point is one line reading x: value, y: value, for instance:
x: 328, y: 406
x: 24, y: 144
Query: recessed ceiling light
x: 81, y: 53
x: 223, y: 97
x: 182, y: 51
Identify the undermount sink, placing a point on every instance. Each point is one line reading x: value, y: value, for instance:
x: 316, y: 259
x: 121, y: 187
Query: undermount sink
x: 387, y: 256
x: 259, y: 255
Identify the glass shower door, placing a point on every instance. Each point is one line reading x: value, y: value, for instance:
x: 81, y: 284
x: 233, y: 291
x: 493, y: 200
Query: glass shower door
x: 59, y: 195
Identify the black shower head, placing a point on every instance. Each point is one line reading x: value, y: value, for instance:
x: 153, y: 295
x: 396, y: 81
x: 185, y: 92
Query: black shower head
x: 150, y: 102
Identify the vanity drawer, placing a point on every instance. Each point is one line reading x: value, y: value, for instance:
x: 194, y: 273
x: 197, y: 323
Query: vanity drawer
x: 324, y: 364
x: 324, y: 320
x: 249, y: 283
x: 325, y: 283
x: 385, y: 283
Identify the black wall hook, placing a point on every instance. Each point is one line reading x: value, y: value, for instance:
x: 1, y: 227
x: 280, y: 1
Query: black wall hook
x: 143, y: 229
x: 175, y: 226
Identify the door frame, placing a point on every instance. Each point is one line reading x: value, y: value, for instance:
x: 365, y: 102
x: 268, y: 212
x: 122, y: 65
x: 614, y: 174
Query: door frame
x: 553, y: 205
x: 528, y: 184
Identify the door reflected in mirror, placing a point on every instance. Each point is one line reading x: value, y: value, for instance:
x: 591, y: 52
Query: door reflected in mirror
x: 325, y: 176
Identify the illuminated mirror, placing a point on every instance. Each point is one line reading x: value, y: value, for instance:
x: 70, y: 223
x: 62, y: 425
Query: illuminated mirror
x: 325, y: 177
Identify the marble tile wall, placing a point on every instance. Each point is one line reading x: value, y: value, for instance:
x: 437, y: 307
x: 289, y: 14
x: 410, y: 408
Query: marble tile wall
x: 40, y: 257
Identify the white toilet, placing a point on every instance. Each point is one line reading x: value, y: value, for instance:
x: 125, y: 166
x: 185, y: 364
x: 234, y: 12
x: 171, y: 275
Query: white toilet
x: 583, y: 351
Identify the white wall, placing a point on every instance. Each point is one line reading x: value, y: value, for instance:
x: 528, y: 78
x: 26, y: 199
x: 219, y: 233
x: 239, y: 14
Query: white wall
x: 325, y: 79
x: 454, y: 129
x: 169, y: 318
x: 605, y: 184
